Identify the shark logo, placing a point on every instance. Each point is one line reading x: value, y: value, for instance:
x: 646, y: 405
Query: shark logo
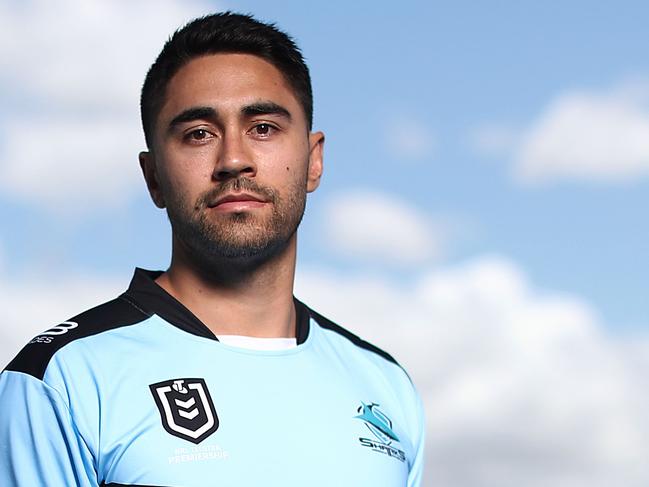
x: 186, y: 408
x: 381, y: 427
x: 377, y: 422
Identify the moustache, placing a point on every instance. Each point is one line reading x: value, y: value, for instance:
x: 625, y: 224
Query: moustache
x: 236, y: 186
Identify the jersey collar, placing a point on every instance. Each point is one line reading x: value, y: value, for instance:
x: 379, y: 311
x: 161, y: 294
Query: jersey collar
x: 153, y: 299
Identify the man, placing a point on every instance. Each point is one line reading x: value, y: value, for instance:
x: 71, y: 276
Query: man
x: 212, y: 373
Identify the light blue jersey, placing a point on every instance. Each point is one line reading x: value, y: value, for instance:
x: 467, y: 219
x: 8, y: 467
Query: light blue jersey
x: 139, y: 392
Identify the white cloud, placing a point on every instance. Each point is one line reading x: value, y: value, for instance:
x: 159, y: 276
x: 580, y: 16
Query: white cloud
x: 521, y: 387
x: 579, y: 136
x: 374, y: 226
x: 68, y: 166
x: 410, y: 140
x: 71, y: 72
x: 584, y: 136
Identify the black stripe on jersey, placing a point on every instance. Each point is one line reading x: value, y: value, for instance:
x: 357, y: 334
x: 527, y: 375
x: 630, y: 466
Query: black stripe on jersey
x: 356, y: 340
x: 36, y: 355
x: 302, y: 316
x: 145, y: 293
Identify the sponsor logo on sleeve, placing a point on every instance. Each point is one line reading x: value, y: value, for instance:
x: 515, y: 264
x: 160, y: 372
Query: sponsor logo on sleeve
x: 186, y: 408
x: 380, y: 425
x: 60, y: 329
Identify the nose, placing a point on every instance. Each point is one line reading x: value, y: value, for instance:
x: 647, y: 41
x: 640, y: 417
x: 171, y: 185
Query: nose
x: 234, y: 159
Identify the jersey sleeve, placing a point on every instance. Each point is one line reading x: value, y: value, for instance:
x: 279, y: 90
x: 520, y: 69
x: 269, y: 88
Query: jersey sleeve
x: 417, y: 467
x: 39, y: 442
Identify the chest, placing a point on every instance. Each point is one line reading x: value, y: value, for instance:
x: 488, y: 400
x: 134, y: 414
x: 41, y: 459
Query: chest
x: 250, y: 420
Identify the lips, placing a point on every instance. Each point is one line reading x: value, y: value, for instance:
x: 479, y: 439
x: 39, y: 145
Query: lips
x: 237, y: 197
x: 238, y: 201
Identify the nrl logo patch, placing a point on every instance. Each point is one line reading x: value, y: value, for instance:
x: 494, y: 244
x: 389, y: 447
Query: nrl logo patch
x: 186, y: 408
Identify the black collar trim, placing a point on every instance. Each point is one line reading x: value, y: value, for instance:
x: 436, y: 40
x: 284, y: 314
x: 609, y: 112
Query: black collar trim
x: 146, y: 294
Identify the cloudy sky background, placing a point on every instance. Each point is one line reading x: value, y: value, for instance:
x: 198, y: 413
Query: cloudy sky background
x: 482, y: 217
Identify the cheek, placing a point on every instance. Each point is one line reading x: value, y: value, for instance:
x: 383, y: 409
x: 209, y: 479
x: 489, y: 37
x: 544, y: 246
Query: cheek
x: 281, y: 168
x: 179, y: 190
x: 294, y: 173
x: 196, y: 160
x: 189, y: 173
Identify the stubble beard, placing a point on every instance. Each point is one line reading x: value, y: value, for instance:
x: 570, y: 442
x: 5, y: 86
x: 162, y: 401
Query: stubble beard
x: 239, y: 239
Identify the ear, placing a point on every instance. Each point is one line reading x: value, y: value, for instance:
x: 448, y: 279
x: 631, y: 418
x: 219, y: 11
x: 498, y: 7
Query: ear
x: 316, y: 152
x: 149, y: 170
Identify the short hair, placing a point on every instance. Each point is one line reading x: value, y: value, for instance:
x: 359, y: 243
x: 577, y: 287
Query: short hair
x: 225, y: 32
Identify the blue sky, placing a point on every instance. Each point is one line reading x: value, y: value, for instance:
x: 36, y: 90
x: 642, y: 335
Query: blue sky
x: 487, y: 172
x: 447, y: 70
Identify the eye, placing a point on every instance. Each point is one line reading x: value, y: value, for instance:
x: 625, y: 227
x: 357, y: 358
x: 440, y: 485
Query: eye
x: 263, y: 130
x: 198, y: 135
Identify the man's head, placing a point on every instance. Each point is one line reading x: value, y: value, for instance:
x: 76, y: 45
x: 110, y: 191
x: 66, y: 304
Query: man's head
x: 223, y: 33
x: 231, y: 152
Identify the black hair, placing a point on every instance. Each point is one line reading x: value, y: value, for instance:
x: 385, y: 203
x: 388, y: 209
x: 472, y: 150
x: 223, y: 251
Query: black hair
x: 225, y: 32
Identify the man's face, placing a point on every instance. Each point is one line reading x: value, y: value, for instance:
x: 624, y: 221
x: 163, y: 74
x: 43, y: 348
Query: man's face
x: 232, y: 158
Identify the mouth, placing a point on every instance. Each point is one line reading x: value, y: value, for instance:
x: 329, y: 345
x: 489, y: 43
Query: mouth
x: 237, y: 202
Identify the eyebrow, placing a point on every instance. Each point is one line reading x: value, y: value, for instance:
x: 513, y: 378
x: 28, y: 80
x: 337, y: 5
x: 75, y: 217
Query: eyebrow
x: 194, y: 113
x: 210, y: 114
x: 266, y: 108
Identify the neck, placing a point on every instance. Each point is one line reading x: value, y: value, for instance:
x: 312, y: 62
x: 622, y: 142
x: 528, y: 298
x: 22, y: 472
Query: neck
x: 237, y: 298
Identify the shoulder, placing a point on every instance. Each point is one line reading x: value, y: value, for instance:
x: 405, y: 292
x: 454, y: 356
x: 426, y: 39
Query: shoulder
x: 35, y: 357
x: 371, y: 365
x: 351, y: 338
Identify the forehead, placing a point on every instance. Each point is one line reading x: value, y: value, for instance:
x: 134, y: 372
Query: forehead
x: 227, y: 81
